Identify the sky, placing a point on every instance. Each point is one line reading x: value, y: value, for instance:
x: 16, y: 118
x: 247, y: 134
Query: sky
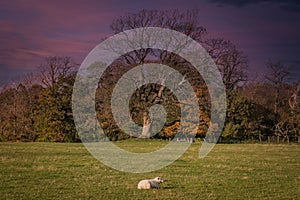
x: 32, y: 30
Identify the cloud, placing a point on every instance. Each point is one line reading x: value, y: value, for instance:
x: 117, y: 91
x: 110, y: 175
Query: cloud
x: 33, y: 30
x: 287, y: 5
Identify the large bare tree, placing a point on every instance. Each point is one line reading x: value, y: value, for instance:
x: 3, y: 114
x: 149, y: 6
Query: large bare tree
x: 185, y: 22
x: 230, y: 61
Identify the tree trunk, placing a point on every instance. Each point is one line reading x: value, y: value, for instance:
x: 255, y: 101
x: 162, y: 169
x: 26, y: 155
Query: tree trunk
x: 259, y: 136
x: 276, y: 100
x: 146, y: 132
x: 147, y: 123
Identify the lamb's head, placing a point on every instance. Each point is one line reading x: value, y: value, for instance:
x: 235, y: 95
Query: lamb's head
x: 158, y: 179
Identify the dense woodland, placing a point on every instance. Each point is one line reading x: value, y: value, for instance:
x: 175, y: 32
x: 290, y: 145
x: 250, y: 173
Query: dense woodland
x: 38, y: 107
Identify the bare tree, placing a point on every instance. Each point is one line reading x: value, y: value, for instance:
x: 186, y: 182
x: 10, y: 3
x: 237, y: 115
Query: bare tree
x: 54, y: 115
x: 231, y: 62
x: 185, y: 22
x: 16, y: 114
x: 277, y: 74
x: 54, y: 69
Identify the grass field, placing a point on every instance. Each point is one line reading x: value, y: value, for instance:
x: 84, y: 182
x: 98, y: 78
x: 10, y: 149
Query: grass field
x: 68, y: 171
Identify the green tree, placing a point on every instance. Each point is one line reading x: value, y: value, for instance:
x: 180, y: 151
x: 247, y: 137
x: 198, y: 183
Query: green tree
x: 54, y: 119
x: 239, y: 116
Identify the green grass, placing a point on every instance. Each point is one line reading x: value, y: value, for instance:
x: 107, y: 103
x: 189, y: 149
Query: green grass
x: 68, y: 171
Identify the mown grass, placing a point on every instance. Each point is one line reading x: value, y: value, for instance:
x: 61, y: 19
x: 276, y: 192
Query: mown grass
x: 68, y: 171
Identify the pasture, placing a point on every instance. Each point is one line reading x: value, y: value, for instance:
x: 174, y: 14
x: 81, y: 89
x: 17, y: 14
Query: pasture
x: 230, y: 171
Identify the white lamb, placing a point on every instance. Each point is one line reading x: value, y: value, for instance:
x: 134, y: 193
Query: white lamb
x: 147, y: 184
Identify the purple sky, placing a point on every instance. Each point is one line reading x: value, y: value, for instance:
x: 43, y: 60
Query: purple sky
x: 32, y: 30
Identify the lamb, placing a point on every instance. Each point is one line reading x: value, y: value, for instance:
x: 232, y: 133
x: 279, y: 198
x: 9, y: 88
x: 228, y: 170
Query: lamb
x: 147, y: 184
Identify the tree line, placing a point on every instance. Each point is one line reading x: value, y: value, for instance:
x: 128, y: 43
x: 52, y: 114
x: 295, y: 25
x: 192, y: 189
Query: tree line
x: 38, y: 107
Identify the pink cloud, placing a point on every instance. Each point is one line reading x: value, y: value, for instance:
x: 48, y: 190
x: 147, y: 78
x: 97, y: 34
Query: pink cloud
x: 37, y: 29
